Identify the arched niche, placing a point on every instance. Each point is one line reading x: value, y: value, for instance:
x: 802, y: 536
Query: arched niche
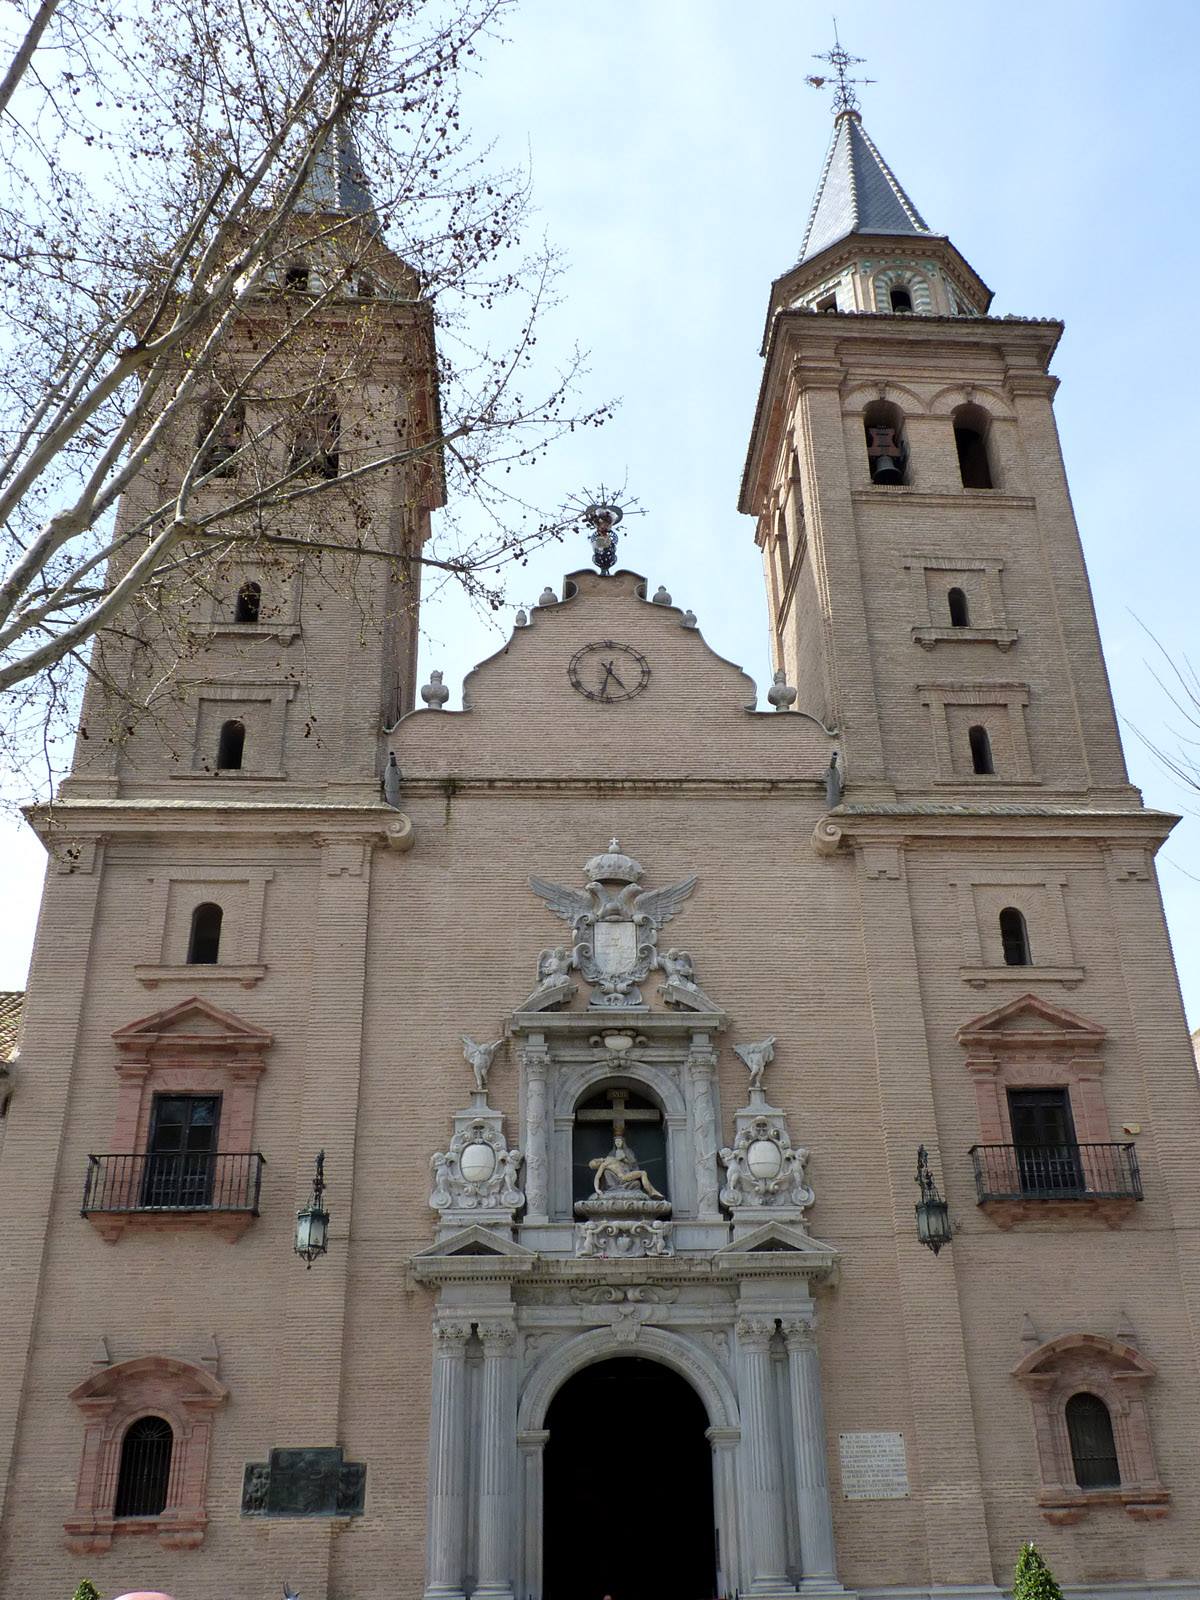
x: 659, y: 1084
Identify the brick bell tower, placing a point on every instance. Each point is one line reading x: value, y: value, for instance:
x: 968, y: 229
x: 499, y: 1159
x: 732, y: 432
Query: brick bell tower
x: 284, y: 661
x: 927, y: 587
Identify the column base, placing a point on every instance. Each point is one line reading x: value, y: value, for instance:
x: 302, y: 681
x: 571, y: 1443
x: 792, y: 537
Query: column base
x: 772, y: 1588
x: 819, y: 1587
x: 443, y: 1591
x: 492, y: 1591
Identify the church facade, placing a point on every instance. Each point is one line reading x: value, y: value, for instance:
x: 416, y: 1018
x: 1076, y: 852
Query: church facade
x: 759, y: 1140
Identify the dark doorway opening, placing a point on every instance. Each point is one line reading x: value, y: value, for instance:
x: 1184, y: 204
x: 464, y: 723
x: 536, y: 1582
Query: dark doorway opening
x: 621, y: 1432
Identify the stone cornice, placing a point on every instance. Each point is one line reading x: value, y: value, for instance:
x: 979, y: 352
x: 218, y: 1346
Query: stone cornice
x: 115, y: 818
x: 933, y: 823
x: 717, y: 1267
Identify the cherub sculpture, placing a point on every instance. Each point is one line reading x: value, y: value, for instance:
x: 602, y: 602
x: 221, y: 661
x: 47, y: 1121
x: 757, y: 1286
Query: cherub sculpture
x: 479, y: 1057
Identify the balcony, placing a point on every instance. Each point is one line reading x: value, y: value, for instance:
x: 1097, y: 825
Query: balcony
x: 1016, y: 1182
x: 178, y: 1190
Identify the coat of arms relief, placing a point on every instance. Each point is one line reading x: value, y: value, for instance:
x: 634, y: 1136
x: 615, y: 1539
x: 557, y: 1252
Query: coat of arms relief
x: 615, y: 925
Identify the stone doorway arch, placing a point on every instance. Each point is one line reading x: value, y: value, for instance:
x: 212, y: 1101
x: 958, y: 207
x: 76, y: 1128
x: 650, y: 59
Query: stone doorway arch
x: 628, y: 1486
x: 698, y: 1369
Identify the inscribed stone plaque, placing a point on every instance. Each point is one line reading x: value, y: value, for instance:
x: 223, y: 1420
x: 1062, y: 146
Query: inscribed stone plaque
x: 874, y: 1466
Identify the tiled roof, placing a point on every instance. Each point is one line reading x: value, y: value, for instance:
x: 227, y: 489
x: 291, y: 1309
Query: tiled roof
x: 10, y: 1021
x: 337, y: 182
x: 858, y: 193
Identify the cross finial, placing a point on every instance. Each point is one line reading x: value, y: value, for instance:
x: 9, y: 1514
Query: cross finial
x: 840, y: 59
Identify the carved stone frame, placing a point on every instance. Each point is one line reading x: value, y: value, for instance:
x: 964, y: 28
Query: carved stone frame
x: 190, y: 1048
x: 111, y: 1400
x: 1030, y: 1043
x: 1116, y: 1373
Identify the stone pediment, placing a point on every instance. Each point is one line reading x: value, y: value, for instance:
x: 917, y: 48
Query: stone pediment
x: 605, y: 683
x: 471, y: 1253
x: 193, y: 1021
x: 777, y: 1248
x: 1030, y: 1019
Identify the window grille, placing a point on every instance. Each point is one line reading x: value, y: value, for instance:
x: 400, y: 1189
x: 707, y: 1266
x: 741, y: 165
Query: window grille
x: 1093, y: 1447
x: 145, y: 1468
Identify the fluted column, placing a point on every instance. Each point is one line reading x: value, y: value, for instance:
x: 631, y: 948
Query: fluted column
x: 447, y: 1462
x: 536, y: 1062
x: 724, y: 1442
x: 497, y: 1429
x: 815, y: 1512
x: 532, y: 1445
x: 702, y: 1065
x: 766, y: 1557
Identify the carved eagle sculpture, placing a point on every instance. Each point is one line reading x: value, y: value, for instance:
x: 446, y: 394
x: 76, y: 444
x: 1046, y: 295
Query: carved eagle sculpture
x: 629, y: 904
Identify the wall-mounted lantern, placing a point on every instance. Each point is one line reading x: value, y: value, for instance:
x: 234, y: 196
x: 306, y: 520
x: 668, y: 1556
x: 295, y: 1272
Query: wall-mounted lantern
x: 933, y: 1214
x: 312, y: 1222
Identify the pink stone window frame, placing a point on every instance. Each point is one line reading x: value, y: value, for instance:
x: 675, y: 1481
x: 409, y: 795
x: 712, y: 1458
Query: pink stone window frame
x: 191, y: 1048
x: 111, y: 1400
x: 1030, y: 1044
x: 1089, y: 1363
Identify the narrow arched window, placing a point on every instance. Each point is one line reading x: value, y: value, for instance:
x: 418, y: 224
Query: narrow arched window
x: 901, y: 299
x: 981, y: 750
x: 219, y: 436
x: 249, y: 602
x: 231, y: 745
x: 1014, y: 937
x: 960, y: 613
x: 1093, y: 1447
x: 316, y: 444
x: 204, y: 942
x: 145, y: 1468
x: 971, y: 424
x: 886, y: 452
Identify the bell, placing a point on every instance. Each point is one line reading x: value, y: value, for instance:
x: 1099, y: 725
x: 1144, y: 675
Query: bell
x: 885, y: 455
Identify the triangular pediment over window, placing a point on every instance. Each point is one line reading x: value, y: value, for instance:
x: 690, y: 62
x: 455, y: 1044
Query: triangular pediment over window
x: 1030, y: 1018
x: 192, y: 1019
x: 777, y: 1247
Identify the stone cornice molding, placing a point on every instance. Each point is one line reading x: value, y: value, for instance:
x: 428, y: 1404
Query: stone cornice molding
x: 314, y: 822
x: 913, y: 824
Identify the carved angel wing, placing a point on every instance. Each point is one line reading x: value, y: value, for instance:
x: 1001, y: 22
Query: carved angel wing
x: 660, y: 905
x: 569, y: 904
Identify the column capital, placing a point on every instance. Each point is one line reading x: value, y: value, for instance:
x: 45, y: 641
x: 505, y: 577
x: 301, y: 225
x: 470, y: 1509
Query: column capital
x: 799, y: 1333
x: 496, y: 1337
x: 533, y: 1440
x: 451, y: 1337
x: 723, y: 1438
x: 755, y: 1333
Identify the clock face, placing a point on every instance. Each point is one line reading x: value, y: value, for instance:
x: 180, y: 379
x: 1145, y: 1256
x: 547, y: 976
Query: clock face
x: 608, y: 671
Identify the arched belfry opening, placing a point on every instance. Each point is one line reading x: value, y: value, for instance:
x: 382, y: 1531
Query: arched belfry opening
x: 612, y: 1426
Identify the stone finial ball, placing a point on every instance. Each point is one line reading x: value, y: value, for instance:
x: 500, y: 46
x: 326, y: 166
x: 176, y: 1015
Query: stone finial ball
x: 144, y: 1594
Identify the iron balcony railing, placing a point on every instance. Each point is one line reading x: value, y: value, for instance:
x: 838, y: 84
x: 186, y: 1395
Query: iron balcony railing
x: 176, y: 1182
x: 1056, y: 1172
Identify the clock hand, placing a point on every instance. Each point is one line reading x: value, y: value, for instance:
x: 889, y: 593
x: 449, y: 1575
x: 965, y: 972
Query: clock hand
x: 609, y: 673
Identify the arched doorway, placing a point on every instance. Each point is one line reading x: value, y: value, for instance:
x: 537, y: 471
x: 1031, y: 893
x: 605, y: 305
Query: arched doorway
x: 628, y: 1508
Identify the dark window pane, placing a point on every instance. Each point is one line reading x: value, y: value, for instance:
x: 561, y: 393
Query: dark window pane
x: 145, y: 1470
x: 1093, y: 1447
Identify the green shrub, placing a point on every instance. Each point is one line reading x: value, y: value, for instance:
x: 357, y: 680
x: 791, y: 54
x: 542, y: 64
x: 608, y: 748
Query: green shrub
x: 87, y: 1590
x: 1033, y: 1579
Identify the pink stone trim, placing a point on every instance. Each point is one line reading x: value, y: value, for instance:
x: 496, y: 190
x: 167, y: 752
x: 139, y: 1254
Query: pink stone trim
x: 1118, y: 1374
x: 186, y: 1395
x: 192, y: 1047
x: 1005, y: 1050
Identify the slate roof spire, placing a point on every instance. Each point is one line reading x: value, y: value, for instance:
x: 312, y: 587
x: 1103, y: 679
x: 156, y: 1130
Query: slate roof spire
x: 337, y: 182
x: 858, y: 192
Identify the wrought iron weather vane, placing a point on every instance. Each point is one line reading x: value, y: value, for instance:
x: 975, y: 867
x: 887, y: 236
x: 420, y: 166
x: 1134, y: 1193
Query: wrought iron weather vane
x: 840, y: 59
x: 601, y: 512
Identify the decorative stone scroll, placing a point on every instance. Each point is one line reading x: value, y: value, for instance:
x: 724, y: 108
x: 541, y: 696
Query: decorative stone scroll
x: 763, y: 1169
x: 475, y: 1180
x: 623, y: 1239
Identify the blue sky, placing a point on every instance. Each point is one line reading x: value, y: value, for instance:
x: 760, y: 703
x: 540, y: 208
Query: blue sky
x: 675, y: 148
